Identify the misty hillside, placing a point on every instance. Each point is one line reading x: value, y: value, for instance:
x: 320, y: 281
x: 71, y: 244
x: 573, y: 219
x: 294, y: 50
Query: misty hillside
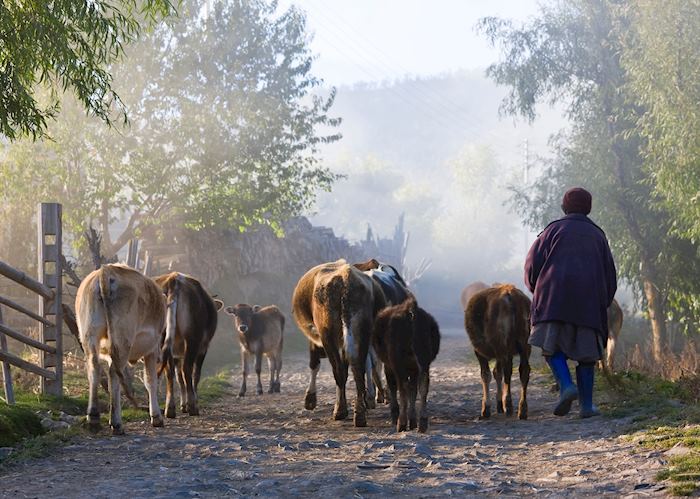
x: 437, y: 150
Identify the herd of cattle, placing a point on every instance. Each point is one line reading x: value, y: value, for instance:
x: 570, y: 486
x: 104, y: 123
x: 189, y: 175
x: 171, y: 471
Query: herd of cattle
x: 361, y: 317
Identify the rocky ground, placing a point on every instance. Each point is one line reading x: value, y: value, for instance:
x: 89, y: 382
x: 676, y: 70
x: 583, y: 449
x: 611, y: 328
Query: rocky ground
x: 269, y: 445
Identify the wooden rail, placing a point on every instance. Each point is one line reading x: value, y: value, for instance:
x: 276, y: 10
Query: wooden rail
x: 21, y: 278
x: 50, y: 313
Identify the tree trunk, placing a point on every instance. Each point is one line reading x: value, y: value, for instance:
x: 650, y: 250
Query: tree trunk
x: 657, y: 316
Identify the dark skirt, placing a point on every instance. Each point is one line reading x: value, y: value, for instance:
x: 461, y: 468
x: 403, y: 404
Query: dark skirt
x: 581, y: 344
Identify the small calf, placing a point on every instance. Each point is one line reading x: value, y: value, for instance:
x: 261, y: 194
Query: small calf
x: 407, y: 340
x: 497, y: 321
x: 260, y: 332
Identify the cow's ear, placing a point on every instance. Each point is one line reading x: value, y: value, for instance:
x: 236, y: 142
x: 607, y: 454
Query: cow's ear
x: 230, y: 311
x: 256, y: 308
x: 218, y: 304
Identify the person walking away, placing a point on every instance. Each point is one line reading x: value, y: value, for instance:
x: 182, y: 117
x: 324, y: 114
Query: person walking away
x: 571, y: 273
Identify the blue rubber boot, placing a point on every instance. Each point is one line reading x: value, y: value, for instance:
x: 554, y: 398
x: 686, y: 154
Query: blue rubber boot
x: 567, y: 390
x: 585, y: 375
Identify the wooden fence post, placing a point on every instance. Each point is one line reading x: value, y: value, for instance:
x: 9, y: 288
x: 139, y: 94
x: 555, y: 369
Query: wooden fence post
x: 50, y: 274
x: 6, y: 374
x: 132, y: 253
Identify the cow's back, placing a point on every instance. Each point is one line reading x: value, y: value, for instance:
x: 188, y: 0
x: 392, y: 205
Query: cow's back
x: 268, y: 327
x: 496, y: 320
x: 196, y: 316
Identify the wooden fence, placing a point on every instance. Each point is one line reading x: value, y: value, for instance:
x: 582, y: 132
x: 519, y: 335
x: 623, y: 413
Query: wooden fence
x: 48, y: 289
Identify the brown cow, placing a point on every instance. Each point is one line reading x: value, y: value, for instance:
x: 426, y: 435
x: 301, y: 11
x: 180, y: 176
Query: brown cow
x: 407, y: 340
x: 190, y: 326
x: 470, y: 291
x: 260, y: 331
x: 615, y: 317
x: 334, y: 304
x: 497, y: 322
x: 121, y: 316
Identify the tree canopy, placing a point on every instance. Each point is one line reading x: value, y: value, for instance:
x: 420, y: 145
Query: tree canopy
x: 224, y: 131
x: 573, y: 54
x: 64, y: 45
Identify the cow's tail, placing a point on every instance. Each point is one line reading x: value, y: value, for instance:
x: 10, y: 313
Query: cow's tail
x: 349, y: 341
x: 172, y: 297
x: 107, y: 283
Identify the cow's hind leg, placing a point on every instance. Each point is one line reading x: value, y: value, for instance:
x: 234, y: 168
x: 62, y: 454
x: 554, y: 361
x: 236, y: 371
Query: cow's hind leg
x: 412, y: 395
x: 198, y: 370
x: 485, y: 380
x: 271, y: 362
x: 244, y: 372
x: 524, y: 380
x: 93, y: 373
x: 188, y: 370
x: 357, y: 358
x: 170, y: 389
x: 340, y: 373
x: 150, y: 380
x: 391, y: 388
x: 507, y: 374
x: 423, y: 385
x: 377, y: 377
x: 258, y: 369
x: 402, y: 382
x: 498, y: 378
x: 314, y: 365
x: 278, y: 369
x: 369, y: 368
x: 115, y: 402
x: 179, y: 370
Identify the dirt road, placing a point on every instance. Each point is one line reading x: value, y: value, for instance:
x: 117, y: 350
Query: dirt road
x: 270, y: 446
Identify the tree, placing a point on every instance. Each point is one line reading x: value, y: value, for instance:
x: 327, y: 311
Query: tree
x: 224, y: 130
x: 65, y: 45
x: 571, y: 54
x: 662, y: 57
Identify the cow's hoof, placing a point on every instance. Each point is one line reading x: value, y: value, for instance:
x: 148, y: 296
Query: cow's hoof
x: 370, y: 403
x: 360, y: 420
x: 423, y: 425
x: 241, y: 393
x: 381, y: 399
x: 260, y: 391
x: 194, y: 411
x: 170, y: 412
x: 278, y: 387
x: 485, y: 413
x: 400, y: 427
x: 310, y: 401
x: 522, y: 414
x: 183, y: 409
x: 157, y: 421
x: 93, y: 423
x: 118, y: 430
x: 339, y: 415
x: 499, y: 407
x: 412, y: 424
x: 509, y: 410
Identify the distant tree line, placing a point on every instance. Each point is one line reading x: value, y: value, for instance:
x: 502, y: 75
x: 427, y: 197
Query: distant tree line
x: 628, y: 73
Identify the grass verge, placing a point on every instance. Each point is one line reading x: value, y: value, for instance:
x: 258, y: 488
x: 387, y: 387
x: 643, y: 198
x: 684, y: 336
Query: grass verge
x: 664, y: 415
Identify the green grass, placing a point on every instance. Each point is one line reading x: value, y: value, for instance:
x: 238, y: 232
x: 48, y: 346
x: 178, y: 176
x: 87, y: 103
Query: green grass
x: 664, y: 414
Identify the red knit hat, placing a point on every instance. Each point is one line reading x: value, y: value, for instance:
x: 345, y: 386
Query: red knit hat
x: 577, y: 200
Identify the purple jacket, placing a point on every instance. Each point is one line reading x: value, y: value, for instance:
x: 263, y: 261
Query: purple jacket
x: 571, y: 273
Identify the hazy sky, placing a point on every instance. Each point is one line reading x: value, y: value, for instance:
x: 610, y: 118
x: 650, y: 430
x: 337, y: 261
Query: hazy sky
x: 375, y: 40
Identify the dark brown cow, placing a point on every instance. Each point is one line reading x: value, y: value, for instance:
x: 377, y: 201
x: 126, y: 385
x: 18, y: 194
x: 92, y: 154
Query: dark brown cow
x: 334, y: 304
x: 260, y: 332
x: 615, y: 317
x: 190, y: 326
x: 407, y: 340
x: 470, y: 291
x: 497, y: 322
